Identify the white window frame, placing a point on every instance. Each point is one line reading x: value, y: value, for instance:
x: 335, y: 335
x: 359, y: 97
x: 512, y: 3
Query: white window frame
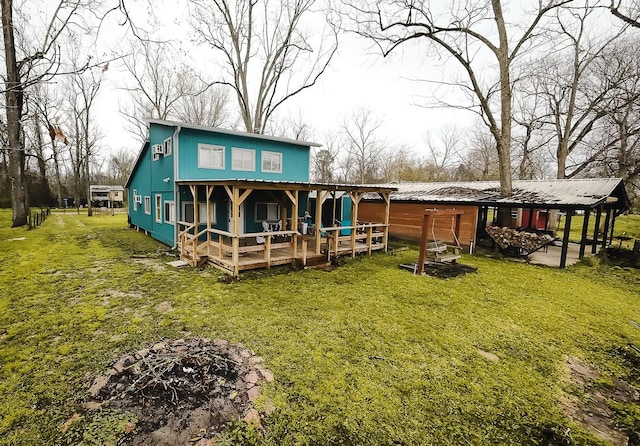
x: 147, y: 205
x: 205, y: 156
x: 202, y: 212
x: 167, y: 146
x: 268, y: 206
x: 134, y: 195
x: 170, y: 216
x: 238, y: 155
x: 268, y: 157
x: 158, y: 202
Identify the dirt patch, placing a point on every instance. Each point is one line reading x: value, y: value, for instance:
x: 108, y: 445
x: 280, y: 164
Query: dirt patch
x: 592, y: 411
x: 184, y: 391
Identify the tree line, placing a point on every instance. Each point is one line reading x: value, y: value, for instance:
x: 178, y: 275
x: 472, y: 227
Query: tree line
x: 553, y: 85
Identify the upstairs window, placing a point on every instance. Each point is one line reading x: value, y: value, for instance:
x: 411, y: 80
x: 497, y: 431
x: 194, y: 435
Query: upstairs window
x: 147, y: 205
x: 210, y: 156
x: 167, y: 147
x: 267, y: 211
x: 272, y: 162
x: 243, y: 159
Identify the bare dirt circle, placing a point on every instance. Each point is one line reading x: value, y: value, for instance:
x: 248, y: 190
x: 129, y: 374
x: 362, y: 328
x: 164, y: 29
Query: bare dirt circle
x: 183, y: 391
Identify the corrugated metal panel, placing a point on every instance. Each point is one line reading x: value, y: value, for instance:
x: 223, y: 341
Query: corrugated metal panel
x: 571, y: 192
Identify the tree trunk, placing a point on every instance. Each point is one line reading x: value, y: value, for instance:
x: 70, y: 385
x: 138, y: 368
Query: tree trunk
x: 14, y: 102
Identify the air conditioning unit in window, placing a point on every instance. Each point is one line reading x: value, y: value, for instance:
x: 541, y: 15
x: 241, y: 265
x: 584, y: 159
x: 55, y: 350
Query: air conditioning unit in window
x: 137, y: 199
x: 157, y: 149
x: 156, y: 156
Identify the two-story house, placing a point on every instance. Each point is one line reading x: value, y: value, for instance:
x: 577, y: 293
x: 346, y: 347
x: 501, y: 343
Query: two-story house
x: 241, y: 201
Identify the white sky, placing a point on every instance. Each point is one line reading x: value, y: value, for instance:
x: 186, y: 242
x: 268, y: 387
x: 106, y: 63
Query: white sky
x: 359, y: 77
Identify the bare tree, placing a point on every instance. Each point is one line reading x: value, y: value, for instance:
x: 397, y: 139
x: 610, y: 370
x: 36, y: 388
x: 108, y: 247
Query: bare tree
x: 120, y: 166
x: 464, y: 31
x: 629, y: 13
x: 202, y: 105
x: 156, y: 85
x: 362, y: 147
x: 576, y: 99
x: 268, y: 55
x: 479, y: 162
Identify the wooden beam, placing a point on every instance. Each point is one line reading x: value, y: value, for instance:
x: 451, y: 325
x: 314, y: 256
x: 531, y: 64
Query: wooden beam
x: 565, y: 239
x: 244, y: 196
x: 355, y: 199
x: 229, y: 192
x: 585, y: 230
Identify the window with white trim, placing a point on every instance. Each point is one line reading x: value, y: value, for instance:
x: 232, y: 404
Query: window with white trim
x: 135, y: 200
x: 187, y: 212
x: 210, y: 156
x: 267, y: 211
x: 272, y: 162
x: 169, y: 212
x: 147, y: 205
x: 159, y: 208
x: 243, y: 159
x: 167, y: 147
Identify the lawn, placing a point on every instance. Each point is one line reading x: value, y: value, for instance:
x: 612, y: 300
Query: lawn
x: 365, y: 354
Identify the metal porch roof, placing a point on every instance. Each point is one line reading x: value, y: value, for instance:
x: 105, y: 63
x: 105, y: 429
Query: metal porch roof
x: 565, y: 193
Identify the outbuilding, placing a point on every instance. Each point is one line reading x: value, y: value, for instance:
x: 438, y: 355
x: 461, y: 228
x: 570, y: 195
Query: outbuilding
x: 532, y: 204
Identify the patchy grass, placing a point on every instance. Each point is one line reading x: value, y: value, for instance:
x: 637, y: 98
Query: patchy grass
x: 366, y: 354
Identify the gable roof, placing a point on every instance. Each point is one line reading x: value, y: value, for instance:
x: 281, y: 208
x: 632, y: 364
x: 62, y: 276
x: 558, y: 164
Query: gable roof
x: 562, y: 193
x: 205, y: 128
x: 136, y: 163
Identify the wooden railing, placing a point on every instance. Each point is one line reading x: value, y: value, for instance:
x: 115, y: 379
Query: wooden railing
x: 367, y: 233
x: 221, y: 244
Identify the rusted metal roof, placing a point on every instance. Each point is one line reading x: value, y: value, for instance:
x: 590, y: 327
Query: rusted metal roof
x: 566, y: 193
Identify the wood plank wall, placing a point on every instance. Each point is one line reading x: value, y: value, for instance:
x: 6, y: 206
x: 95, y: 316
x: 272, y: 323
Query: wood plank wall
x: 405, y: 220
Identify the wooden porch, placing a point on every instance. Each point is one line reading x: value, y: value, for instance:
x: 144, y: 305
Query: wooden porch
x: 233, y: 251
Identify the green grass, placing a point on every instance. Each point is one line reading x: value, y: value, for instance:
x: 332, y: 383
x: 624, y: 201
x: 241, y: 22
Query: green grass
x: 366, y: 354
x: 628, y: 225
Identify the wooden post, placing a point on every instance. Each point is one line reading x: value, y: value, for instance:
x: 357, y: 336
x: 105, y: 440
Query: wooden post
x: 267, y: 250
x: 565, y: 239
x: 605, y: 232
x: 386, y: 196
x: 530, y: 218
x: 585, y: 230
x: 320, y: 196
x: 426, y: 223
x: 594, y: 245
x: 304, y: 251
x: 355, y: 202
x: 369, y: 238
x: 235, y: 217
x: 209, y: 192
x: 294, y: 212
x: 613, y: 223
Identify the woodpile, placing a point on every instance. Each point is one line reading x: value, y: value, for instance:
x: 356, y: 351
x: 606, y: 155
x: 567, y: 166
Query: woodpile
x: 526, y: 242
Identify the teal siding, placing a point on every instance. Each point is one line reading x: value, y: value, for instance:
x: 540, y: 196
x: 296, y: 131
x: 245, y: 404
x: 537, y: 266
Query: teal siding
x: 157, y: 177
x: 295, y: 159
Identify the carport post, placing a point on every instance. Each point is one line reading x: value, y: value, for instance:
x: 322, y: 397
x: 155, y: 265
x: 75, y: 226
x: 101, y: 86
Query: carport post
x: 565, y: 239
x: 594, y: 245
x: 605, y: 233
x: 585, y: 229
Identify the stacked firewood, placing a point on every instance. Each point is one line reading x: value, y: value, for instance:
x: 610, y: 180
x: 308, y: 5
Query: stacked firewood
x: 512, y: 238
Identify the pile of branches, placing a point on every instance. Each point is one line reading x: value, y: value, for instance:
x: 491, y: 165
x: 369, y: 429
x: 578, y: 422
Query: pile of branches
x: 525, y: 242
x: 174, y: 378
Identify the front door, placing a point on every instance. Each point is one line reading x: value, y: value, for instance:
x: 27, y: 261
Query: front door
x: 240, y: 219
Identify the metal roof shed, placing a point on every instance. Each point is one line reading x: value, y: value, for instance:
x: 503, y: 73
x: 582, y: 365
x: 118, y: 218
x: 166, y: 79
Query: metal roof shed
x: 603, y: 195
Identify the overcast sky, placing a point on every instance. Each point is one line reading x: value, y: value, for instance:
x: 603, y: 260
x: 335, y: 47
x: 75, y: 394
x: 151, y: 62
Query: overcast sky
x: 359, y: 77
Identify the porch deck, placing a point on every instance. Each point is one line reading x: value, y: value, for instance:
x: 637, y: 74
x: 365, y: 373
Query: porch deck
x: 233, y: 254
